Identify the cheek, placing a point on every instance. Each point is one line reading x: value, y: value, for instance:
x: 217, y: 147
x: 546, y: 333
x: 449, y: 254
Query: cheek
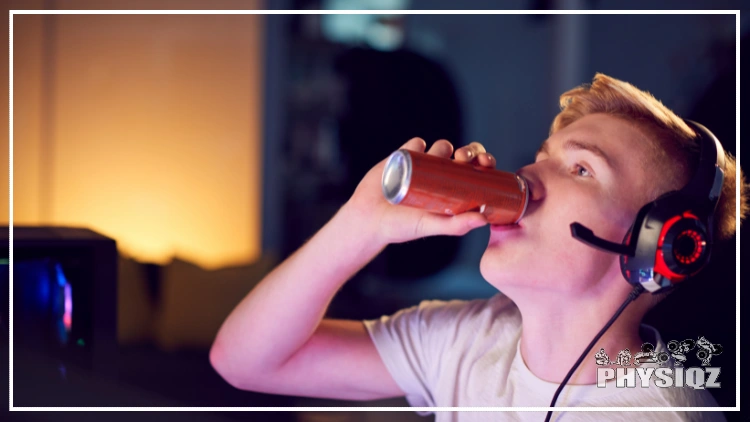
x: 611, y: 222
x: 560, y: 252
x: 547, y: 252
x: 606, y: 219
x: 606, y: 213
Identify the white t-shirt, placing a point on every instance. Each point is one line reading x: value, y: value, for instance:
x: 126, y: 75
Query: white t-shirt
x: 467, y: 354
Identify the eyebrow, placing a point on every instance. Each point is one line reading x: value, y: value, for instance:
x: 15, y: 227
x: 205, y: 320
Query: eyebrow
x: 574, y: 144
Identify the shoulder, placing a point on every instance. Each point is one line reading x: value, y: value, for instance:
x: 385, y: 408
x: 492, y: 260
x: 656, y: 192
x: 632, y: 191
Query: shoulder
x: 685, y: 397
x: 439, y: 321
x: 496, y: 309
x: 654, y: 396
x: 691, y: 398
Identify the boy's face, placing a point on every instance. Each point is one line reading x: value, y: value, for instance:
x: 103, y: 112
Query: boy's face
x: 593, y: 172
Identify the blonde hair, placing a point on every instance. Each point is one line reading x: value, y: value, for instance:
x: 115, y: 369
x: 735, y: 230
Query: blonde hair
x: 673, y: 141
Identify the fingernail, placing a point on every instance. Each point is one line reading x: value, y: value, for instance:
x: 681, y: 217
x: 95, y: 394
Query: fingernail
x: 490, y: 157
x: 469, y: 154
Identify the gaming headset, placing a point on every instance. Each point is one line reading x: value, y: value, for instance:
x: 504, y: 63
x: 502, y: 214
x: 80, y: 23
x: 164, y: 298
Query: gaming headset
x: 670, y: 239
x: 672, y: 236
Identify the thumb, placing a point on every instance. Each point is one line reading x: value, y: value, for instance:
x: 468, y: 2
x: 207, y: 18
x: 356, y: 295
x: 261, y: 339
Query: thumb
x: 457, y: 225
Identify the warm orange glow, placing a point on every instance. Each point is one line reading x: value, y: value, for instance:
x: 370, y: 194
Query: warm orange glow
x: 27, y: 86
x: 156, y: 135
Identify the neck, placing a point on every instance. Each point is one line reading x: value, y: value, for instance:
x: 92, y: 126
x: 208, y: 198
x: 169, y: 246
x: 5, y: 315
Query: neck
x: 557, y: 329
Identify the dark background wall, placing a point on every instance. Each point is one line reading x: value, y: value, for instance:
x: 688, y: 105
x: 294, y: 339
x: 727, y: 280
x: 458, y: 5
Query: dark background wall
x: 499, y: 78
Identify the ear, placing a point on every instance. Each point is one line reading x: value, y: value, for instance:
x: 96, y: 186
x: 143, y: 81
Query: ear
x: 647, y: 348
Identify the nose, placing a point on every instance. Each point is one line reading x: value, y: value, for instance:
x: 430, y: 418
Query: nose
x: 534, y: 182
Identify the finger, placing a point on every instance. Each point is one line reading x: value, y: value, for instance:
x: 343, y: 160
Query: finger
x: 486, y: 159
x: 476, y: 148
x: 464, y: 155
x: 441, y: 148
x: 415, y: 144
x: 457, y: 225
x: 470, y: 153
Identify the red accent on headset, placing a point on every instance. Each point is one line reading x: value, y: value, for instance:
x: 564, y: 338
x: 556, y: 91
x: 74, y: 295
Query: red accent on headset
x: 625, y: 257
x: 665, y: 229
x: 699, y: 246
x: 660, y: 266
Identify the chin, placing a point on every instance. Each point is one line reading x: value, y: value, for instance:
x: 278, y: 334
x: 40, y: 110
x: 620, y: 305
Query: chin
x: 509, y: 268
x: 499, y: 269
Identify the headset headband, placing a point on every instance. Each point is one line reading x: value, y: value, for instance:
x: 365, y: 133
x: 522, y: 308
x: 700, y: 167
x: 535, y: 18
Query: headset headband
x: 709, y: 175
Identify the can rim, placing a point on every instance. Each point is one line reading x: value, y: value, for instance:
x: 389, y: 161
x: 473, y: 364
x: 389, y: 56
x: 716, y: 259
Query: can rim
x: 398, y: 161
x: 524, y: 186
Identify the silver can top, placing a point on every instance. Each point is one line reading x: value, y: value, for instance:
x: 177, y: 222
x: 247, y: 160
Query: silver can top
x: 397, y: 176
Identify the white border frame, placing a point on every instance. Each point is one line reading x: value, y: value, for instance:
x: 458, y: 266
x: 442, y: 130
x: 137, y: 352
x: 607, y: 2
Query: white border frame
x: 12, y: 13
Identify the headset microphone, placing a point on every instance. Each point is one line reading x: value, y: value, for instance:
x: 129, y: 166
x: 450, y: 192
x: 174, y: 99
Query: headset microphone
x: 584, y: 234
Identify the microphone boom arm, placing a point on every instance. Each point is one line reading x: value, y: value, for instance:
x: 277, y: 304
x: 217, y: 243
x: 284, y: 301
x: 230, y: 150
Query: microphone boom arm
x: 585, y: 235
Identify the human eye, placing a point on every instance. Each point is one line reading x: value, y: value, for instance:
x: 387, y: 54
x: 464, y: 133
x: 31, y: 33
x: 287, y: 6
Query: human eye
x: 582, y: 171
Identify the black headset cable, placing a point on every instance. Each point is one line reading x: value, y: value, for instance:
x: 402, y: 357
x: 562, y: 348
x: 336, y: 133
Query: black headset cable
x: 637, y: 290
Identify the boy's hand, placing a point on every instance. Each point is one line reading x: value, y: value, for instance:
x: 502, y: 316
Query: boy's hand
x: 390, y: 223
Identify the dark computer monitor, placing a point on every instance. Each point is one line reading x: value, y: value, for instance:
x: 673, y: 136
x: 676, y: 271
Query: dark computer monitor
x: 64, y: 305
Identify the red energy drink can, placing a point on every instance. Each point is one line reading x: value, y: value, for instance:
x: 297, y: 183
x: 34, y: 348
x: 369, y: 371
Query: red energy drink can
x: 444, y: 186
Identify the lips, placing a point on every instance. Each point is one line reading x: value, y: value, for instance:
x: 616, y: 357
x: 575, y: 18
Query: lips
x: 501, y: 228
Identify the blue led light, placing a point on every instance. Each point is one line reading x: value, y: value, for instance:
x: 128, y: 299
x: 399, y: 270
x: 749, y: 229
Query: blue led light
x: 61, y: 280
